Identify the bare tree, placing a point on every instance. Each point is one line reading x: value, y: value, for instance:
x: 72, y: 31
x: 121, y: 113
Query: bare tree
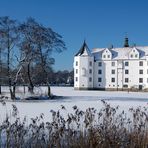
x: 38, y: 42
x: 8, y: 39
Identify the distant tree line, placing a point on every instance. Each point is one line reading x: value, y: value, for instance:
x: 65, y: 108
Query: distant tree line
x: 62, y: 78
x: 56, y: 78
x: 25, y: 53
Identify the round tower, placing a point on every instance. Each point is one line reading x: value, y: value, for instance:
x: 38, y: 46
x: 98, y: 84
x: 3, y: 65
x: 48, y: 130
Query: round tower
x: 83, y: 68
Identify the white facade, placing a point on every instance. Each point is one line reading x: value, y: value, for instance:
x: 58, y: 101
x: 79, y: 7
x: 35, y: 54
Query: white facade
x: 112, y: 69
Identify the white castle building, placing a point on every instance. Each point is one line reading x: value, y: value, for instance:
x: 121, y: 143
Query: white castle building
x: 111, y: 68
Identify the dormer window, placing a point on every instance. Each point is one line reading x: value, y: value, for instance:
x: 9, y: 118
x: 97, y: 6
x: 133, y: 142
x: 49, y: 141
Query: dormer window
x: 134, y: 53
x: 106, y: 54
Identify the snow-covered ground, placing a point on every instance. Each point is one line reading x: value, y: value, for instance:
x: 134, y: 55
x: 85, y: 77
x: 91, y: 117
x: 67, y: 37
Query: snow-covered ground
x: 69, y: 91
x: 71, y: 97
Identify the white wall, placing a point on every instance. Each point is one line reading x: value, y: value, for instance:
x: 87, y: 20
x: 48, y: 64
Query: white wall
x: 120, y: 75
x: 106, y: 75
x: 83, y: 72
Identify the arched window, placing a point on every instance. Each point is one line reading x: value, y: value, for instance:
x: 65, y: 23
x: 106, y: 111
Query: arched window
x: 83, y: 72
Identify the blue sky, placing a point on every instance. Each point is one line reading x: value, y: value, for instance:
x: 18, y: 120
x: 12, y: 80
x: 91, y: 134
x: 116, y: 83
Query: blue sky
x: 99, y: 22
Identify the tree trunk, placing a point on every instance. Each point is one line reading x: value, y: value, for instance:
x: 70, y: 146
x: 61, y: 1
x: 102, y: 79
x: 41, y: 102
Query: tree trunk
x: 43, y: 63
x: 12, y: 95
x: 31, y: 86
x: 0, y: 90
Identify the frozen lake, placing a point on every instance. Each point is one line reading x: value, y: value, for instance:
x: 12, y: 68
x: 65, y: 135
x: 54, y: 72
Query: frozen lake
x: 71, y: 97
x: 70, y: 92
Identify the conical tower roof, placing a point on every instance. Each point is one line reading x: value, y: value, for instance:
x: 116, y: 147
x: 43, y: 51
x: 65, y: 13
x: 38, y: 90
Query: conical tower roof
x: 83, y: 49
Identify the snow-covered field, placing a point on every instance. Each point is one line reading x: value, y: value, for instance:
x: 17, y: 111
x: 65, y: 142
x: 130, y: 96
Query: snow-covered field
x: 71, y: 97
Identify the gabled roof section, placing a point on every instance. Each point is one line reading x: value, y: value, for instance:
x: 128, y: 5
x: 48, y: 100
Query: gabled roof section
x: 106, y: 50
x: 142, y: 53
x: 134, y: 49
x: 84, y: 50
x: 121, y: 53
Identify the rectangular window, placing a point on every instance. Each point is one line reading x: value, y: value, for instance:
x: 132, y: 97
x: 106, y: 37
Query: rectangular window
x: 141, y: 63
x: 76, y: 71
x: 76, y: 63
x: 90, y: 63
x: 108, y: 56
x: 147, y: 71
x: 112, y: 79
x: 131, y: 56
x: 125, y: 86
x: 140, y: 80
x: 113, y: 63
x: 126, y: 80
x: 126, y: 64
x: 147, y: 80
x: 76, y: 79
x: 126, y: 71
x: 104, y: 56
x: 113, y: 71
x: 100, y: 64
x: 136, y: 55
x: 99, y: 79
x: 90, y: 79
x: 140, y: 71
x: 99, y: 71
x: 90, y: 71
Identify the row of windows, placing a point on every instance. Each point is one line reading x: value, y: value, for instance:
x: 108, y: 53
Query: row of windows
x: 113, y: 71
x: 113, y: 63
x: 132, y: 56
x: 90, y: 63
x: 125, y: 63
x: 100, y: 79
x: 84, y: 71
x: 104, y: 56
x: 126, y: 80
x: 100, y: 64
x: 90, y: 79
x: 126, y: 71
